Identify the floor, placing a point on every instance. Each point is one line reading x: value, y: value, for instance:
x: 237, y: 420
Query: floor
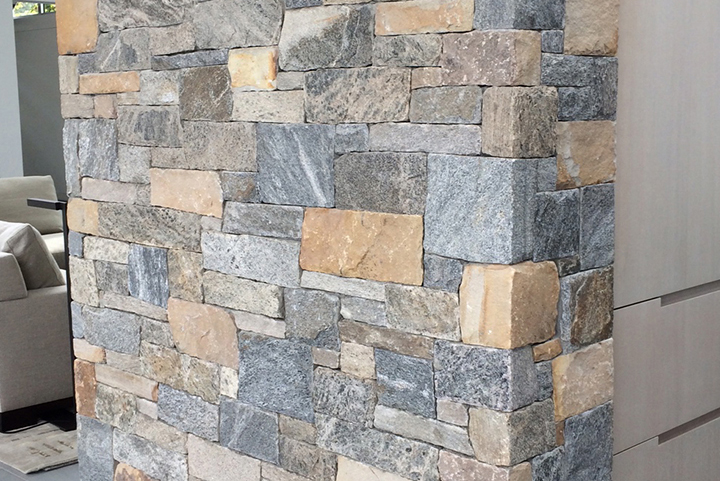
x: 68, y: 473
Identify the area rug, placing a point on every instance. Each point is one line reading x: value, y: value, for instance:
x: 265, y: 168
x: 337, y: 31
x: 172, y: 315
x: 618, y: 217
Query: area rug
x: 40, y: 448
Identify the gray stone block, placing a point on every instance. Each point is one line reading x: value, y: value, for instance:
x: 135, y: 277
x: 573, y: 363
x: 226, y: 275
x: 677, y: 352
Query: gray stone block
x: 597, y: 101
x: 97, y: 149
x: 241, y: 294
x: 597, y: 226
x: 442, y: 273
x: 480, y: 209
x: 239, y: 186
x: 432, y: 138
x: 408, y: 459
x: 549, y: 466
x: 500, y: 379
x: 407, y: 50
x: 332, y: 37
x: 557, y: 225
x: 351, y: 138
x: 149, y: 126
x: 575, y: 71
x: 585, y: 308
x: 588, y: 445
x: 134, y: 164
x: 205, y: 94
x: 119, y: 50
x: 275, y: 261
x: 149, y: 458
x: 547, y: 174
x: 216, y: 146
x: 75, y: 244
x: 201, y: 58
x: 112, y: 277
x: 78, y: 322
x: 114, y: 330
x: 71, y: 133
x: 312, y: 316
x: 545, y: 382
x: 519, y: 14
x: 95, y: 450
x: 446, y: 105
x: 263, y: 220
x: 237, y: 23
x: 296, y: 164
x: 363, y: 310
x: 344, y: 397
x: 381, y: 182
x: 120, y: 14
x: 553, y: 41
x: 276, y: 375
x: 427, y: 312
x: 249, y: 431
x: 148, y: 275
x: 336, y: 96
x: 405, y: 383
x: 302, y: 3
x: 188, y: 413
x: 156, y: 332
x: 306, y: 460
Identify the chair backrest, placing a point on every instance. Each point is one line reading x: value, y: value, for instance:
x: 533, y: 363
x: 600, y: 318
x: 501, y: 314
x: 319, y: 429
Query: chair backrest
x: 14, y: 192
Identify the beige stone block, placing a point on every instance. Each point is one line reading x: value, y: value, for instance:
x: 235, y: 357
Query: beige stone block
x: 108, y: 250
x: 452, y: 412
x: 519, y: 122
x: 84, y: 284
x: 253, y: 68
x: 509, y: 306
x: 259, y: 324
x: 106, y: 106
x: 349, y: 470
x: 211, y: 462
x: 75, y: 106
x: 591, y: 27
x: 131, y: 304
x: 127, y: 382
x: 108, y: 191
x: 388, y: 339
x: 357, y: 360
x: 82, y: 216
x: 274, y: 473
x: 426, y: 77
x: 424, y: 16
x: 277, y: 106
x: 204, y: 331
x: 148, y: 408
x: 583, y: 380
x: 165, y: 436
x: 585, y: 153
x: 290, y: 81
x: 85, y: 388
x: 124, y: 362
x: 326, y: 358
x: 366, y: 245
x: 109, y: 83
x: 187, y: 190
x: 77, y: 26
x: 125, y: 472
x: 547, y: 350
x: 68, y: 74
x: 459, y: 468
x: 185, y: 275
x: 87, y: 352
x: 229, y: 382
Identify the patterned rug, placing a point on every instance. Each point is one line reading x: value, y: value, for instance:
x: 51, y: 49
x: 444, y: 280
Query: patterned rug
x: 40, y: 448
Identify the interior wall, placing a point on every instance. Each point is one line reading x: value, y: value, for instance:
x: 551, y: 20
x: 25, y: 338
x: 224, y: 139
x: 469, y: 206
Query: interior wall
x: 11, y: 160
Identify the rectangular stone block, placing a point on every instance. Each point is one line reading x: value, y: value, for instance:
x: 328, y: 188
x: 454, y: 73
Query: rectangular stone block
x: 553, y: 41
x: 326, y: 358
x: 109, y: 83
x: 349, y: 470
x: 127, y: 382
x: 343, y: 396
x: 452, y: 412
x: 119, y: 51
x: 405, y: 383
x: 205, y: 94
x: 249, y: 431
x: 185, y: 275
x: 172, y: 39
x: 446, y: 105
x: 82, y: 216
x: 519, y: 14
x: 112, y: 277
x: 442, y: 273
x: 149, y: 457
x: 439, y: 139
x: 134, y: 164
x: 114, y: 14
x: 256, y: 323
x: 422, y: 311
x: 128, y: 363
x: 148, y: 275
x: 586, y: 307
x: 115, y: 330
x: 77, y: 106
x: 85, y: 387
x: 263, y: 259
x: 263, y: 220
x: 307, y: 461
x: 113, y: 300
x: 187, y: 190
x: 357, y: 360
x: 312, y: 316
x: 349, y: 287
x: 87, y: 352
x: 200, y: 58
x: 115, y: 407
x: 363, y: 310
x: 216, y: 146
x: 597, y: 226
x: 77, y: 26
x: 382, y: 247
x: 149, y: 126
x: 243, y: 294
x: 237, y: 23
x: 350, y: 95
x: 188, y: 413
x: 239, y: 186
x: 424, y: 16
x: 68, y: 73
x: 591, y: 28
x: 95, y: 449
x: 557, y: 225
x: 94, y: 142
x: 351, y: 138
x: 253, y: 68
x: 427, y: 77
x: 384, y: 338
x: 459, y: 468
x: 270, y: 107
x: 589, y: 444
x: 407, y: 50
x: 586, y: 153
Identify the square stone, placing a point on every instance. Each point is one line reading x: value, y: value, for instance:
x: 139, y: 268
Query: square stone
x: 205, y: 94
x: 344, y: 397
x: 557, y: 225
x: 357, y: 360
x: 553, y: 41
x: 591, y: 27
x: 253, y: 68
x: 148, y: 275
x: 597, y: 227
x: 446, y: 105
x: 115, y: 330
x: 407, y: 50
x: 149, y: 126
x: 586, y: 307
x: 427, y: 312
x: 589, y: 444
x: 442, y: 273
x: 586, y: 153
x: 311, y: 317
x: 188, y: 413
x: 405, y: 383
x: 249, y: 431
x: 351, y: 138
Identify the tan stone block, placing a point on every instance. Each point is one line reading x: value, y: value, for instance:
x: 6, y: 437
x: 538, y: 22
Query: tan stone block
x: 583, y: 380
x: 276, y: 106
x: 87, y: 352
x: 124, y: 362
x: 204, y: 331
x: 84, y: 283
x: 212, y: 462
x: 253, y: 68
x: 426, y: 77
x: 75, y: 106
x: 85, y: 388
x: 187, y: 190
x: 246, y: 321
x: 109, y: 191
x: 68, y: 74
x: 519, y: 122
x: 125, y: 472
x: 560, y: 433
x: 452, y: 412
x: 357, y: 360
x: 547, y: 350
x: 509, y: 306
x: 273, y: 473
x: 366, y: 245
x: 127, y: 382
x: 106, y: 106
x: 326, y: 358
x: 185, y: 275
x: 131, y: 304
x: 424, y: 16
x: 82, y: 216
x: 591, y: 27
x: 349, y: 470
x: 521, y: 472
x: 388, y: 339
x: 585, y: 153
x: 459, y: 468
x: 162, y: 434
x: 108, y: 250
x: 109, y: 83
x: 77, y: 26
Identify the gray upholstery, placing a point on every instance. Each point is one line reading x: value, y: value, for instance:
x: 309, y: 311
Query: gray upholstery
x: 56, y: 245
x: 15, y: 191
x: 37, y: 265
x: 13, y: 285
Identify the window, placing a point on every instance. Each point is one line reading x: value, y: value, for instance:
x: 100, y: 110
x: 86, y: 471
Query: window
x: 21, y: 9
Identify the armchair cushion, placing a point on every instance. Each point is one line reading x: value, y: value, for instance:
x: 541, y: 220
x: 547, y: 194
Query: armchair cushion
x: 12, y: 286
x: 15, y: 191
x: 38, y: 267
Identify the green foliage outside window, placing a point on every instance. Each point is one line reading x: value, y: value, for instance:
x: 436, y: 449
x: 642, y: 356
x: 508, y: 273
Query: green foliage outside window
x: 22, y: 9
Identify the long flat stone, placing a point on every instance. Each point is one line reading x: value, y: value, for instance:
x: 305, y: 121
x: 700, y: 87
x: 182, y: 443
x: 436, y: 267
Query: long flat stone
x: 431, y: 138
x: 242, y: 294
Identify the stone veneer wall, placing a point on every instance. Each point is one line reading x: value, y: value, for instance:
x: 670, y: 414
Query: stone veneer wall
x: 294, y: 257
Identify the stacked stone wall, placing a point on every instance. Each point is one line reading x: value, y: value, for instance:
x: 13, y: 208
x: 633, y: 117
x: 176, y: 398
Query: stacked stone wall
x: 341, y: 240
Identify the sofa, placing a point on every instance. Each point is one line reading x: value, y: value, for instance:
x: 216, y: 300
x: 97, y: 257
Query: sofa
x: 15, y: 191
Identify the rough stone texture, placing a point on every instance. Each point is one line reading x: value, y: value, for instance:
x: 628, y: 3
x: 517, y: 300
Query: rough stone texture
x: 290, y: 80
x: 549, y: 466
x: 77, y: 106
x: 381, y: 182
x: 108, y: 191
x: 217, y: 146
x: 547, y: 350
x: 144, y: 13
x: 459, y: 468
x: 442, y: 139
x: 258, y: 258
x: 155, y: 461
x: 382, y: 247
x: 276, y: 375
x: 424, y: 16
x: 75, y: 244
x: 185, y: 275
x: 557, y: 225
x: 84, y: 287
x: 349, y: 470
x: 509, y: 306
x: 446, y: 105
x: 582, y: 380
x: 452, y: 412
x: 553, y: 41
x: 263, y: 220
x: 427, y: 77
x: 148, y: 275
x: 591, y: 28
x: 295, y: 163
x: 106, y: 106
x: 77, y: 27
x: 237, y: 23
x: 427, y: 312
x: 109, y: 83
x: 312, y: 316
x: 363, y: 310
x: 331, y: 37
x: 409, y: 459
x: 480, y: 209
x: 125, y: 472
x: 188, y: 413
x: 343, y: 397
x: 205, y: 94
x: 586, y: 153
x: 365, y: 95
x: 519, y: 121
x: 298, y: 430
x: 326, y: 358
x: 442, y: 273
x: 588, y: 444
x: 351, y: 138
x: 149, y: 126
x: 405, y: 383
x: 85, y: 386
x: 119, y: 50
x: 115, y: 407
x: 407, y: 50
x: 172, y: 39
x: 96, y: 147
x: 498, y: 379
x: 202, y: 58
x: 99, y: 249
x: 95, y: 449
x: 134, y: 164
x: 156, y: 88
x: 349, y: 287
x: 68, y: 73
x: 189, y: 191
x: 239, y: 186
x: 597, y: 98
x: 249, y: 431
x: 242, y: 294
x: 253, y: 68
x: 308, y: 461
x: 212, y: 462
x: 270, y: 107
x: 510, y: 57
x: 246, y: 321
x: 586, y: 307
x: 115, y: 330
x: 519, y: 14
x: 357, y: 360
x: 384, y: 338
x: 597, y: 226
x: 87, y: 352
x: 544, y: 375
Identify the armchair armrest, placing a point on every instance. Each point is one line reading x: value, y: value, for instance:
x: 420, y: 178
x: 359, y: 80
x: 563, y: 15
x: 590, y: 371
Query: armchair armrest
x: 12, y: 283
